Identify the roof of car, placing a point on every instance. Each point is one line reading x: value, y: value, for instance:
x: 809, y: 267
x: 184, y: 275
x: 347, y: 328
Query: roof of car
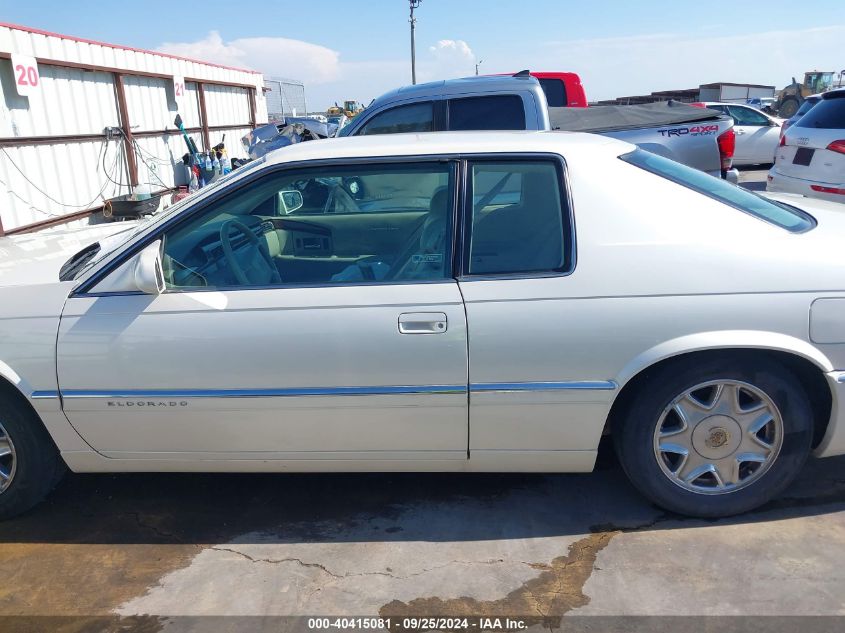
x: 836, y: 93
x: 485, y: 83
x: 428, y: 143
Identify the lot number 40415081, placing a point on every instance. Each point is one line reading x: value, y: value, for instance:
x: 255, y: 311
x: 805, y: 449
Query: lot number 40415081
x: 27, y: 79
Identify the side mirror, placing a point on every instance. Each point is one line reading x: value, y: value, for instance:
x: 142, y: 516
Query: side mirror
x: 291, y: 200
x: 148, y: 273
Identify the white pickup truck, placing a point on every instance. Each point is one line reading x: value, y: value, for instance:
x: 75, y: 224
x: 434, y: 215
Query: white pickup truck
x: 693, y: 136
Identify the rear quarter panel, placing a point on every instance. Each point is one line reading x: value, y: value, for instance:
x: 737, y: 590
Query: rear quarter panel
x: 661, y: 271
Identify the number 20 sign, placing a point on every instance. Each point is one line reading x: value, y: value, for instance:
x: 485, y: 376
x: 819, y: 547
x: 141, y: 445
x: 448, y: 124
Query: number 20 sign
x: 27, y: 79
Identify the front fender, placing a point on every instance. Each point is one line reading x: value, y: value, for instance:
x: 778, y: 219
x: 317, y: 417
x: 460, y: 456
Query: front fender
x: 29, y: 323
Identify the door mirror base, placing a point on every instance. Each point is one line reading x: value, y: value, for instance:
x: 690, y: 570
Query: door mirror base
x: 149, y: 275
x: 142, y: 272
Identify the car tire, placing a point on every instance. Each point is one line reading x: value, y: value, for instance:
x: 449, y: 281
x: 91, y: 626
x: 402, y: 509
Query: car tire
x: 650, y: 437
x: 30, y: 461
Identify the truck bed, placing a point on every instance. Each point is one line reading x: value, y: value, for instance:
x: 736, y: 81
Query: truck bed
x: 627, y: 117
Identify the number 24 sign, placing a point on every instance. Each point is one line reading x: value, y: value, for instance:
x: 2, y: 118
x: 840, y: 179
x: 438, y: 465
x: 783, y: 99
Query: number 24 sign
x: 27, y: 79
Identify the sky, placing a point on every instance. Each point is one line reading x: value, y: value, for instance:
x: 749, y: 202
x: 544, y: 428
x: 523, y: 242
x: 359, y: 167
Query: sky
x: 359, y: 50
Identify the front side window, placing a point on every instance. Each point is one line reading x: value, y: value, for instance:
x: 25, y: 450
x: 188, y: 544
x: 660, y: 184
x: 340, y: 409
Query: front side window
x: 324, y: 225
x: 499, y: 112
x: 517, y: 221
x: 782, y: 215
x: 416, y: 117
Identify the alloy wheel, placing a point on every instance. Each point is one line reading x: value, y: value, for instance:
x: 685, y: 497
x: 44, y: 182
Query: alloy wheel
x: 718, y: 437
x: 8, y: 460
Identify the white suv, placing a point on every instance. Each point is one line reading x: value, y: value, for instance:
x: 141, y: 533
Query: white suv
x: 811, y: 157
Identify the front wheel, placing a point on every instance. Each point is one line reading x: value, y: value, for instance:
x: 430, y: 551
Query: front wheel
x: 715, y: 439
x: 30, y: 465
x: 788, y: 108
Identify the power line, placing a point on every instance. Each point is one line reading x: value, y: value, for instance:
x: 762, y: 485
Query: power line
x: 98, y: 196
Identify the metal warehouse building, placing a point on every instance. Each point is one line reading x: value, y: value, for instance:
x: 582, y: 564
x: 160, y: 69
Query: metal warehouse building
x: 285, y: 97
x: 84, y: 121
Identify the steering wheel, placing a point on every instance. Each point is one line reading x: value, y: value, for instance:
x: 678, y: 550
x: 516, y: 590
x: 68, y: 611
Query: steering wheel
x: 253, y: 266
x: 339, y: 201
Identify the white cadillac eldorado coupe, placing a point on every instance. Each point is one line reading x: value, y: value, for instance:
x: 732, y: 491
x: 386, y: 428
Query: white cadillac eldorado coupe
x: 440, y: 302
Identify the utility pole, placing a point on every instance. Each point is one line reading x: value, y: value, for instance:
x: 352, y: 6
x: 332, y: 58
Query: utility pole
x: 477, y: 64
x: 414, y: 5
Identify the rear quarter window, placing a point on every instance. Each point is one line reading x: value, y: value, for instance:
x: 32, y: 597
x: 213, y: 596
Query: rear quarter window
x: 500, y: 112
x: 555, y: 91
x: 828, y: 114
x: 786, y: 217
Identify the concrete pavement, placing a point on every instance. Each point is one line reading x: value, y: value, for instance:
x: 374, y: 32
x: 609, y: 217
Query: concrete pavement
x: 563, y: 545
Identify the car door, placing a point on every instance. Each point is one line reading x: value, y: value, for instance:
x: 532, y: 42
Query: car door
x: 532, y: 404
x: 756, y: 137
x: 266, y: 345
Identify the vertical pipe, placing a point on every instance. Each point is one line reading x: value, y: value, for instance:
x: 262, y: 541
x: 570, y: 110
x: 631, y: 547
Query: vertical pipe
x: 128, y: 144
x: 413, y: 45
x: 253, y: 116
x: 206, y: 139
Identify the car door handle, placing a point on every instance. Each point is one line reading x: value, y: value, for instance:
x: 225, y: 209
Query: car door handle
x: 422, y: 323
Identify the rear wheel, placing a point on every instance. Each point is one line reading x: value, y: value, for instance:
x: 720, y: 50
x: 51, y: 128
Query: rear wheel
x: 715, y: 439
x: 30, y: 465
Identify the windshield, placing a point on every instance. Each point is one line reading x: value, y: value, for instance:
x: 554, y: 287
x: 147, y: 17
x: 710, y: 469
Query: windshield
x: 777, y: 213
x: 90, y: 255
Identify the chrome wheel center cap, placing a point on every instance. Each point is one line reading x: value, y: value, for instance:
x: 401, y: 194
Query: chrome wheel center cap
x: 716, y: 437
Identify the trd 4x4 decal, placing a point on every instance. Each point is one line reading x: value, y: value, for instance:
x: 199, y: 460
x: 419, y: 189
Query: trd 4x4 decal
x: 695, y: 130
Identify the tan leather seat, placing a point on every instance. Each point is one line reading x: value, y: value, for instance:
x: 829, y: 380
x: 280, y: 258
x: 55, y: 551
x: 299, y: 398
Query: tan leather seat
x: 521, y: 237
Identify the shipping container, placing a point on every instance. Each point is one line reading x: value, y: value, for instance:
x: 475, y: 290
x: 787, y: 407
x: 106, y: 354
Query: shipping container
x: 731, y: 92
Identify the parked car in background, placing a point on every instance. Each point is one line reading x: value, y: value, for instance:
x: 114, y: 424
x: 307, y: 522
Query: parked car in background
x: 674, y: 130
x: 811, y: 155
x: 805, y: 107
x: 310, y: 312
x: 562, y: 89
x: 336, y: 121
x: 283, y: 132
x: 757, y: 133
x: 763, y: 104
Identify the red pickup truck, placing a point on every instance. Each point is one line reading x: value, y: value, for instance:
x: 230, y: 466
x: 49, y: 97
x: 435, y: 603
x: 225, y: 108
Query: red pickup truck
x: 562, y: 89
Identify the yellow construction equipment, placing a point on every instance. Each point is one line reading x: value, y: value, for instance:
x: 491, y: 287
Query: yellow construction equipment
x: 790, y: 98
x: 350, y: 109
